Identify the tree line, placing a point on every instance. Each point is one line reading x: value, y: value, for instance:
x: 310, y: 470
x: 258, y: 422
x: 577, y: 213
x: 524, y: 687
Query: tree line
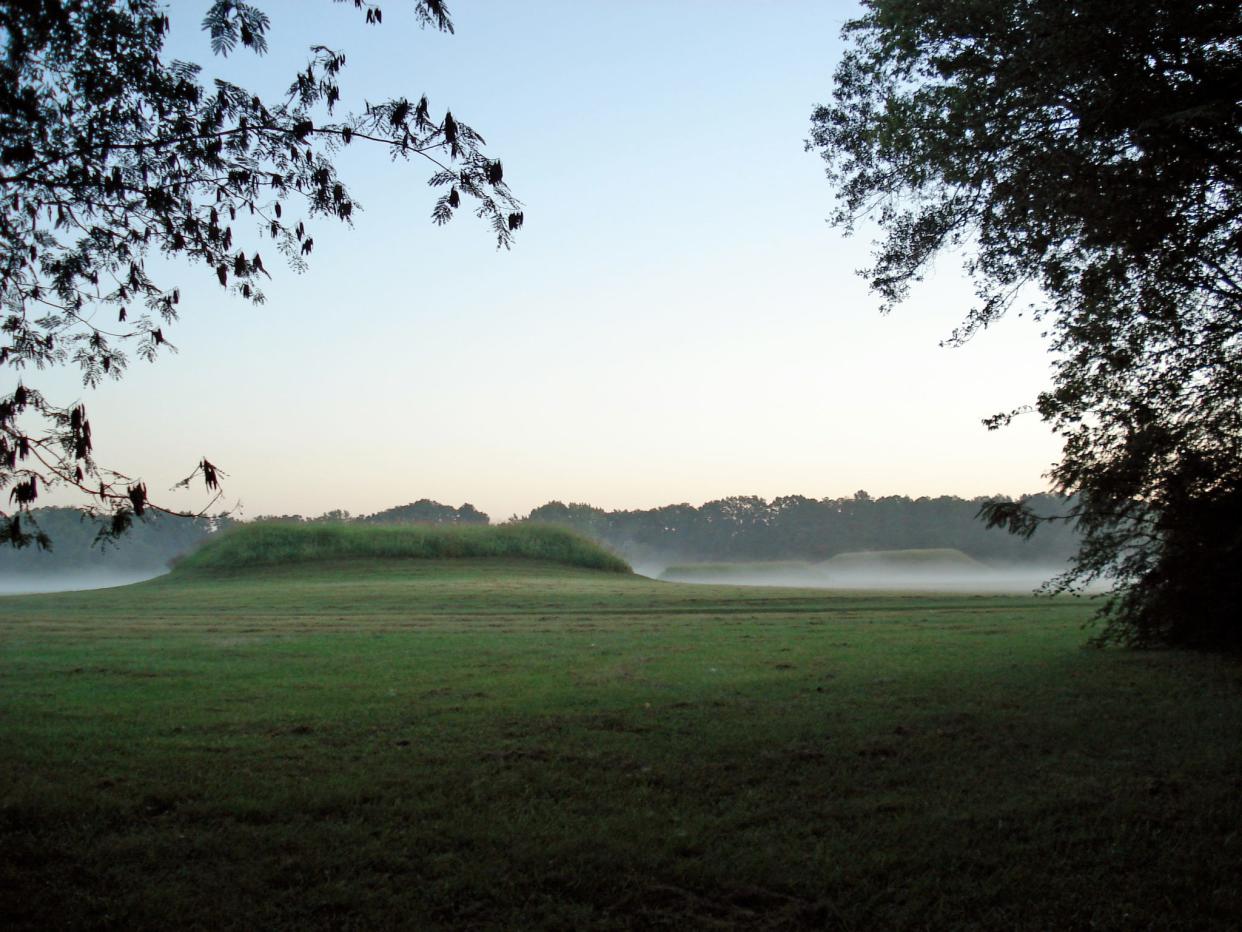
x: 423, y: 511
x: 795, y: 527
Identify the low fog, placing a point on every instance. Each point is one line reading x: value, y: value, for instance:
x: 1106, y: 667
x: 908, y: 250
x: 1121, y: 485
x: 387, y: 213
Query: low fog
x: 958, y: 575
x: 1013, y: 579
x: 71, y: 582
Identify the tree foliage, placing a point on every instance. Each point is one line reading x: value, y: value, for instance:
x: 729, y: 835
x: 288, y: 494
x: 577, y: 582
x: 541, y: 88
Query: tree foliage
x: 425, y: 511
x: 110, y: 154
x: 1087, y: 158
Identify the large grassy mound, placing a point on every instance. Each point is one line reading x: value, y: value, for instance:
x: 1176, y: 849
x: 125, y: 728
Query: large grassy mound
x: 275, y: 544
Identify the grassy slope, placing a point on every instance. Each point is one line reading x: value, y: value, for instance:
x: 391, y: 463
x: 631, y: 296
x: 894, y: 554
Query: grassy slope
x: 492, y: 743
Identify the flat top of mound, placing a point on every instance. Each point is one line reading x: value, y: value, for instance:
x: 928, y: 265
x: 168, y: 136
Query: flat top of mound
x: 274, y: 544
x: 929, y: 558
x: 925, y: 557
x: 755, y: 566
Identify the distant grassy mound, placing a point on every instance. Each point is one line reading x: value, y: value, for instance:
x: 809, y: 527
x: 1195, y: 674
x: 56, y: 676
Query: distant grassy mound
x: 928, y: 559
x: 690, y: 572
x: 924, y: 561
x: 274, y: 544
x: 934, y: 567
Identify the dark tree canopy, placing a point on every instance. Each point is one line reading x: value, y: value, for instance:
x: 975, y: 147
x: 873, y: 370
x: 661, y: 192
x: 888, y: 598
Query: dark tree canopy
x: 110, y: 154
x: 425, y: 511
x: 1087, y: 158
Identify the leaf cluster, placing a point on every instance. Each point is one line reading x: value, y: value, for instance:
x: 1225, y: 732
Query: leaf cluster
x: 110, y: 154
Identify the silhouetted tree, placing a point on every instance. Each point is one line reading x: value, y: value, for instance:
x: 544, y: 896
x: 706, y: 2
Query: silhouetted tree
x: 1087, y: 157
x: 109, y: 153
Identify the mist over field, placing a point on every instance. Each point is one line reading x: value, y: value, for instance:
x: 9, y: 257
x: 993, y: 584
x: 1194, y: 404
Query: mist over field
x: 857, y: 542
x: 78, y: 558
x: 73, y: 581
x: 999, y: 579
x: 940, y: 569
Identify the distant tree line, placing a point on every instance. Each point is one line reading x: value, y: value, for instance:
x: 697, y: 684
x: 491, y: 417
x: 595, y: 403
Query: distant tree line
x: 423, y: 511
x: 791, y: 527
x: 795, y: 527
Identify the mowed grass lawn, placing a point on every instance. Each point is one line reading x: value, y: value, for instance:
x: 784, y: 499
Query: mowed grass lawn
x: 489, y: 744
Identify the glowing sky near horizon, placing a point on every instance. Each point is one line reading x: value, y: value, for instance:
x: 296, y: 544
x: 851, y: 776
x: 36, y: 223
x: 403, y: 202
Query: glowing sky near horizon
x: 677, y: 321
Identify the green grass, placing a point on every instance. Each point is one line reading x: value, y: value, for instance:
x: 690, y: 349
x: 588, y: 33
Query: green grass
x: 268, y: 544
x: 517, y: 744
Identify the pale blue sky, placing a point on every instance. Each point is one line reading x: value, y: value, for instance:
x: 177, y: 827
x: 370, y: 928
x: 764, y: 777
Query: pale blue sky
x: 676, y: 323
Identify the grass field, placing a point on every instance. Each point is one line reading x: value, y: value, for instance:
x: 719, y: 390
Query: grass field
x: 499, y: 743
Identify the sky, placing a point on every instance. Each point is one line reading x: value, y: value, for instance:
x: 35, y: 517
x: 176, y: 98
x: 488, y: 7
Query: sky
x: 676, y: 322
